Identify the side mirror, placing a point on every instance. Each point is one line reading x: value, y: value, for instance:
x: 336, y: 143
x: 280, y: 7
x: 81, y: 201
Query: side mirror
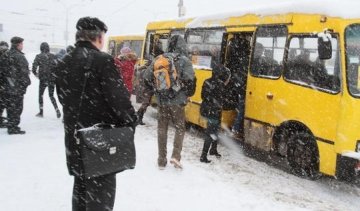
x: 324, y: 46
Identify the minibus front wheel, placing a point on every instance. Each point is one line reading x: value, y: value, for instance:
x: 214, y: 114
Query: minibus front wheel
x: 302, y: 155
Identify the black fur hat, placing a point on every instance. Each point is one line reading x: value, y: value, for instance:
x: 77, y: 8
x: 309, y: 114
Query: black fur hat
x: 91, y: 23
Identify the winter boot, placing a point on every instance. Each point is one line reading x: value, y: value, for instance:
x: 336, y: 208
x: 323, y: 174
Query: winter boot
x: 141, y: 122
x: 3, y: 124
x: 213, y: 150
x: 58, y: 114
x: 40, y: 114
x: 203, y: 157
x: 15, y: 131
x: 140, y: 116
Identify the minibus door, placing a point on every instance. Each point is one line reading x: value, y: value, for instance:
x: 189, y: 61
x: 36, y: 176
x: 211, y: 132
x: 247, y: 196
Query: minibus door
x: 237, y: 58
x: 262, y: 83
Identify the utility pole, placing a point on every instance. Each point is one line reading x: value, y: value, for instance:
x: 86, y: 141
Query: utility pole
x: 1, y: 30
x: 67, y: 12
x: 67, y: 27
x: 181, y: 7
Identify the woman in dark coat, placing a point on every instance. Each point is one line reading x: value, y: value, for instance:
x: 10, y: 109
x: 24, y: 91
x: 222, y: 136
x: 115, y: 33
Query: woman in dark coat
x: 212, y: 95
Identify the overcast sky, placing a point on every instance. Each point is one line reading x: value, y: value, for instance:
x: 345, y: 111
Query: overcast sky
x: 45, y: 20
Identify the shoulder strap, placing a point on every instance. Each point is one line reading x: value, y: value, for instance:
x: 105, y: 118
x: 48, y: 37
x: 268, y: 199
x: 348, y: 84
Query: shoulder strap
x: 87, y: 68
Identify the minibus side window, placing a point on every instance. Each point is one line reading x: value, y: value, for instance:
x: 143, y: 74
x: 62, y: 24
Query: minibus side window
x: 148, y: 45
x: 136, y: 46
x: 204, y: 45
x: 151, y: 40
x: 122, y: 45
x: 164, y: 40
x: 181, y: 33
x: 304, y: 66
x: 269, y: 51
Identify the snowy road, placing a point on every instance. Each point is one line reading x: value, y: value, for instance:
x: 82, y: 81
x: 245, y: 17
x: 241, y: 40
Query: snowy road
x: 33, y: 175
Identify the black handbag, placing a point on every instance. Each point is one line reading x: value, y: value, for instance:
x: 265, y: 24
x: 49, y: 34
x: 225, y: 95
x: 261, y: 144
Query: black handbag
x: 104, y: 148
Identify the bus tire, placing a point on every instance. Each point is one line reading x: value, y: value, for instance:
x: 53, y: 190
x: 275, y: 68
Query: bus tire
x: 302, y: 155
x: 280, y: 142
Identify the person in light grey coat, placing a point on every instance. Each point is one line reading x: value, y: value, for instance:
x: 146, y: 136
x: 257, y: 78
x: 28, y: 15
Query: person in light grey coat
x: 172, y: 106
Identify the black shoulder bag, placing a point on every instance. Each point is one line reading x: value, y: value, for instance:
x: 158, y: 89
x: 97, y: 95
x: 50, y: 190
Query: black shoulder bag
x: 104, y: 148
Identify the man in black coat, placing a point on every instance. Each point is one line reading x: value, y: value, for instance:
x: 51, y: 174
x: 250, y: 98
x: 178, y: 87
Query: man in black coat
x: 105, y: 100
x: 43, y: 67
x: 3, y: 48
x: 17, y: 80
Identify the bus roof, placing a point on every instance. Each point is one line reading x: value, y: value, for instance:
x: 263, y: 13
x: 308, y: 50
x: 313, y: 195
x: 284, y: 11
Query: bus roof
x: 269, y: 13
x: 127, y: 37
x: 283, y: 11
x: 169, y: 24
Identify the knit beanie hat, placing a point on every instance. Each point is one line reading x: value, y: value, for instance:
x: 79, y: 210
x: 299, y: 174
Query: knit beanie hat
x: 125, y: 50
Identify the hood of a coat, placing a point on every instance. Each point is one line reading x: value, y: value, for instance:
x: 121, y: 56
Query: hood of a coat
x: 44, y: 47
x: 177, y: 44
x: 220, y: 72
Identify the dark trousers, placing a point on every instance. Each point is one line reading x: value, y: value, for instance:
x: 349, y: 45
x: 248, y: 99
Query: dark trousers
x: 14, y: 106
x: 42, y: 86
x: 2, y: 106
x: 94, y: 194
x: 142, y: 110
x: 211, y: 135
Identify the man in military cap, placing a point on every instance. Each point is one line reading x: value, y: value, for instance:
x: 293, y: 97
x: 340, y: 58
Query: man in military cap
x: 17, y: 75
x: 105, y: 99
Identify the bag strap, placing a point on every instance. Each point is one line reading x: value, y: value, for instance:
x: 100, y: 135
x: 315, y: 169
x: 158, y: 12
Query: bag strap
x: 87, y: 68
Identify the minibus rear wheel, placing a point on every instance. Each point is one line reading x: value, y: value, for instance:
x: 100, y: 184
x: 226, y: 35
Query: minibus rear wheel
x: 302, y: 155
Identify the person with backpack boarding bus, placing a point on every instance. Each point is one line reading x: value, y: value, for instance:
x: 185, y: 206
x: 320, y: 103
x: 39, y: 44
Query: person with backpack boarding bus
x: 172, y: 78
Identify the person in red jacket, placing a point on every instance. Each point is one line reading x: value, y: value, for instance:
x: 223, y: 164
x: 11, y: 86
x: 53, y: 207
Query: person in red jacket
x: 125, y: 63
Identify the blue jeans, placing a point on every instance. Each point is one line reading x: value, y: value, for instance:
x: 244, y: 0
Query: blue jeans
x: 239, y: 121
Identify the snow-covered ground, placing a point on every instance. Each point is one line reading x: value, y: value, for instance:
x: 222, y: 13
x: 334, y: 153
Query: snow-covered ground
x: 33, y: 175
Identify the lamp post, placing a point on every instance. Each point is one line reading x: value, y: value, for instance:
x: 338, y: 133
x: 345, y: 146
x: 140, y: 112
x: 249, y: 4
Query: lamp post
x: 181, y: 8
x: 67, y: 11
